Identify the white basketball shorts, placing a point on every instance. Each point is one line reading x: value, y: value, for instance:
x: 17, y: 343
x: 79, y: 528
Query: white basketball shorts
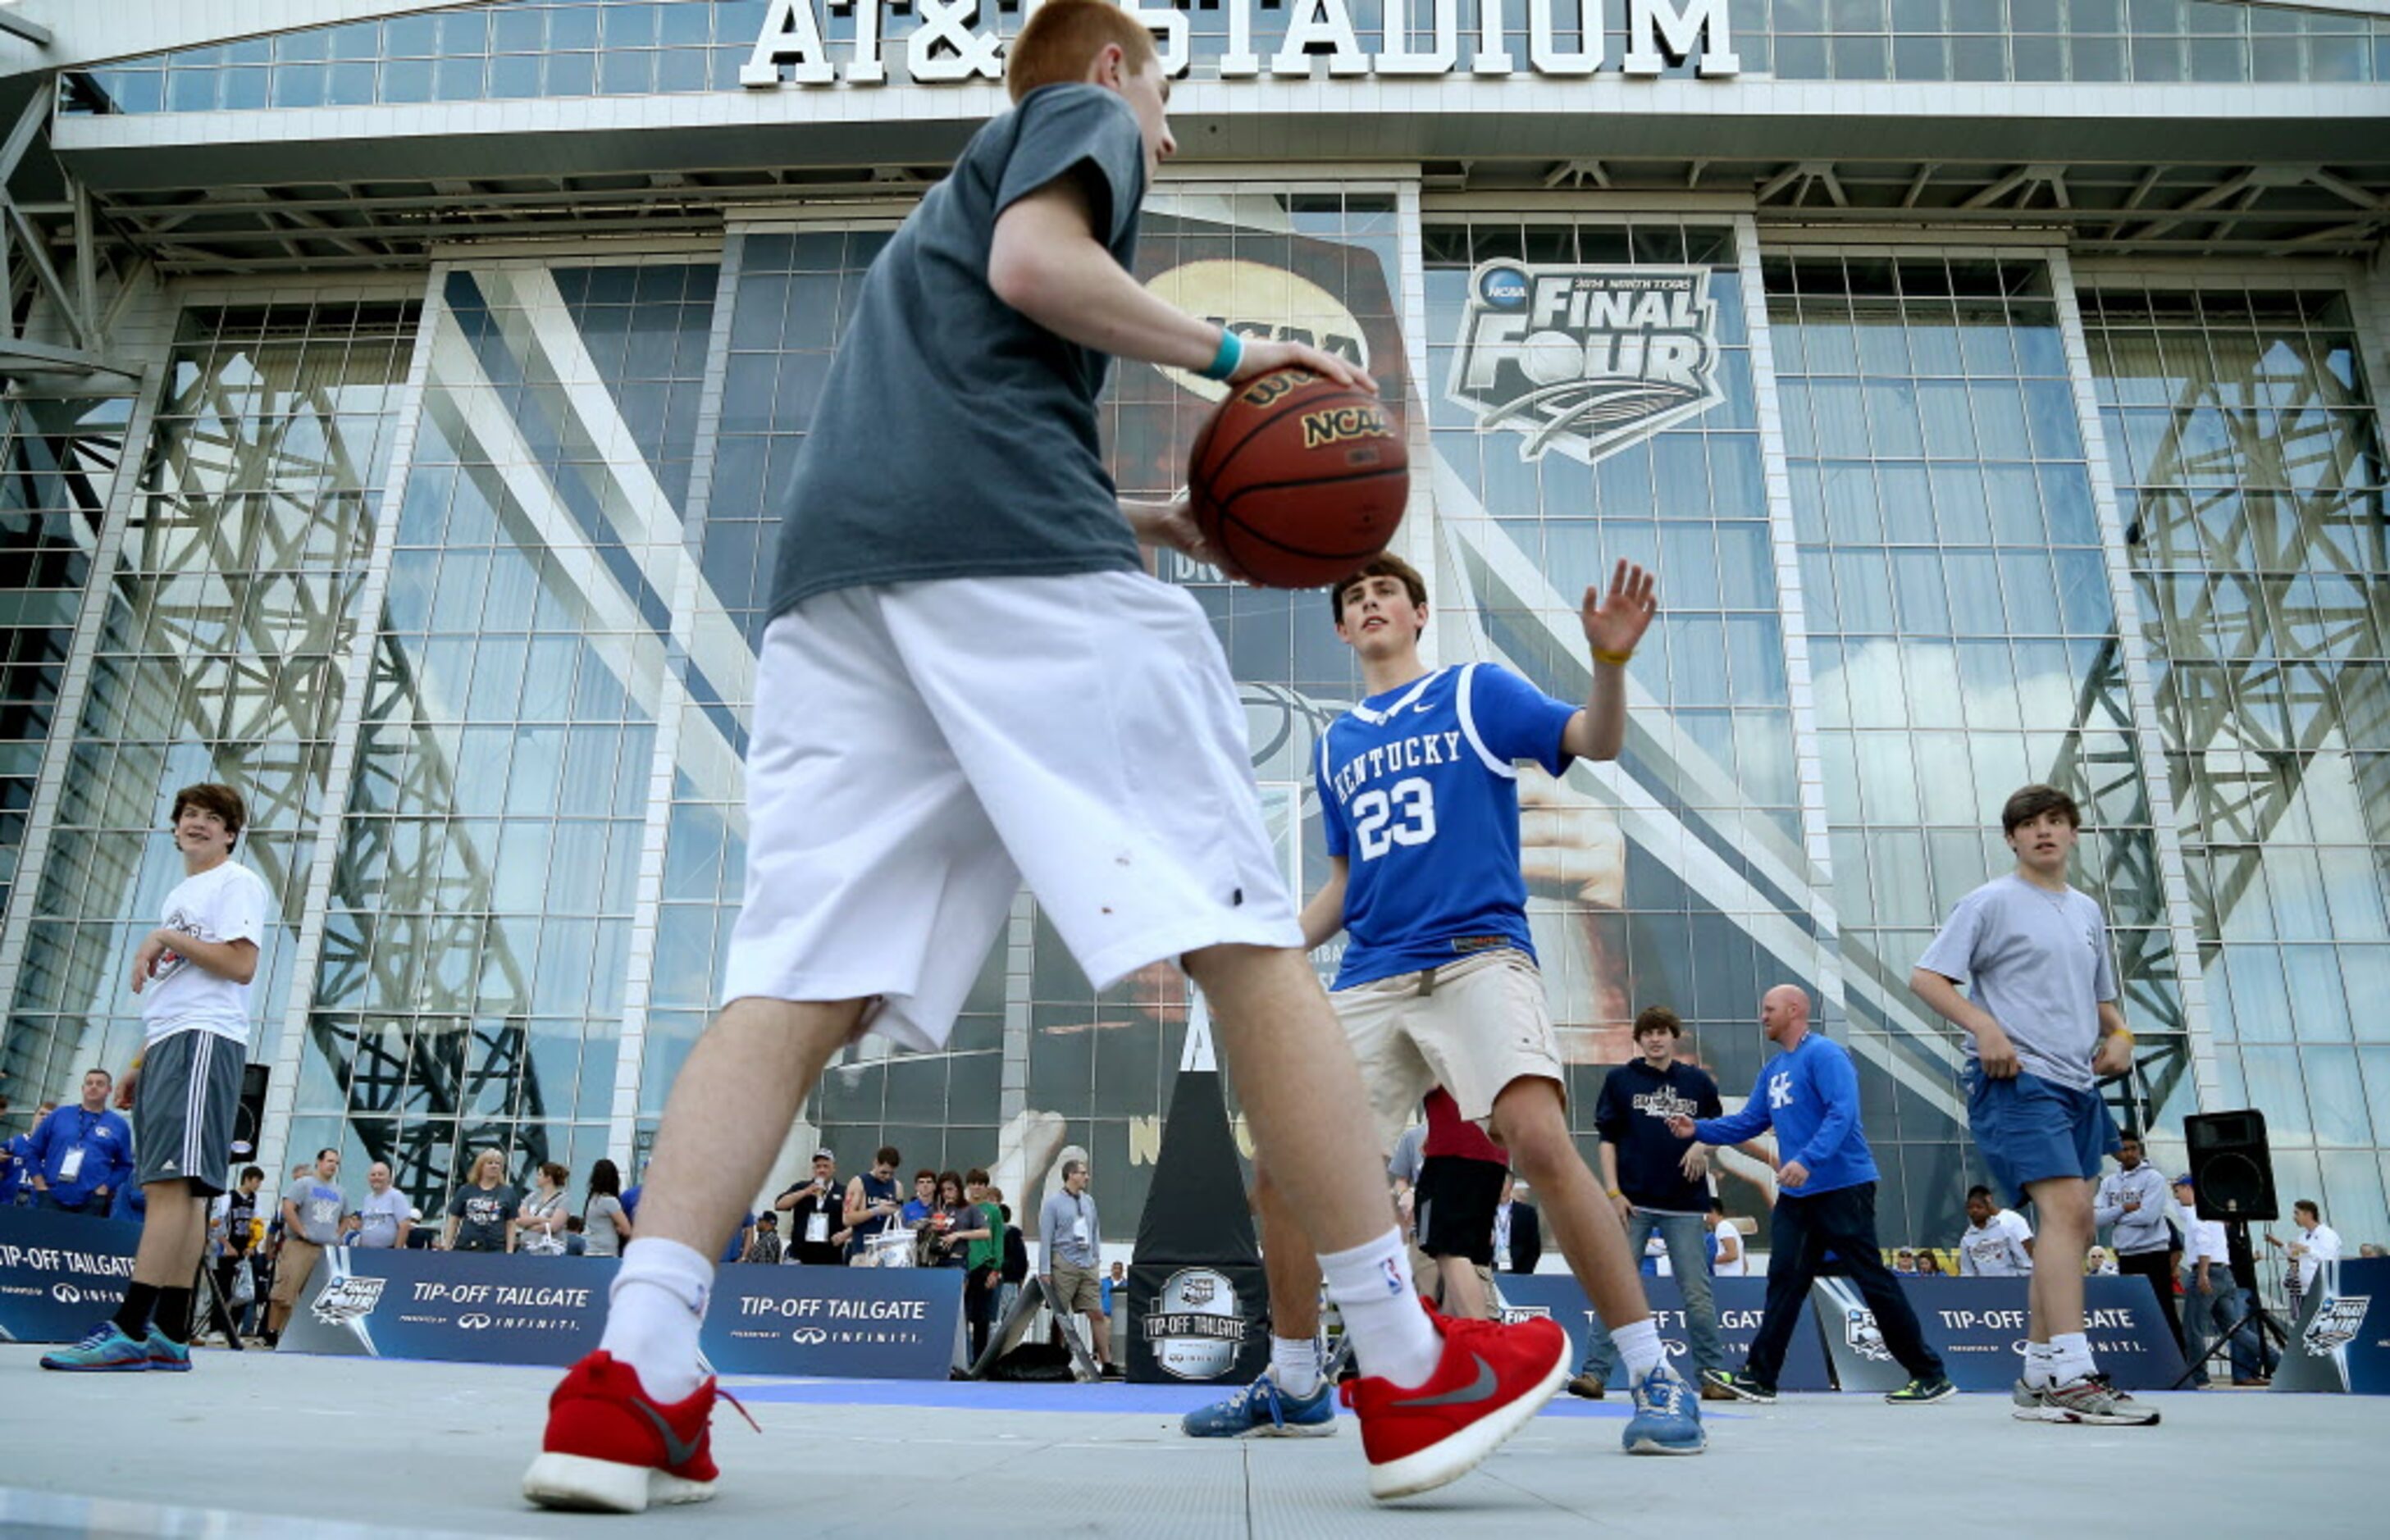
x: 921, y: 748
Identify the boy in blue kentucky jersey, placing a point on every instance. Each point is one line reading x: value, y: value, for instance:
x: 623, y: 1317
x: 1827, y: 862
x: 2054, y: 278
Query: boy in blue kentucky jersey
x: 1438, y: 985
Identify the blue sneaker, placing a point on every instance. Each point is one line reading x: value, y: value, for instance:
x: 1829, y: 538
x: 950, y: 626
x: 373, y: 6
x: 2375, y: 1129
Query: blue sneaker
x: 105, y: 1351
x: 1262, y: 1410
x: 1667, y: 1418
x: 167, y: 1354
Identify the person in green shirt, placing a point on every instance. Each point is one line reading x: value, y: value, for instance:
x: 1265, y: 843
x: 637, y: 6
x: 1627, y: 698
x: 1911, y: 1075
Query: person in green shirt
x: 983, y: 1263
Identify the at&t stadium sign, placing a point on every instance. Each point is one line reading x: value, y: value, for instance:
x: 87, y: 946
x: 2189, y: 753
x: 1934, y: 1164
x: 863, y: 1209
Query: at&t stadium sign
x: 951, y: 42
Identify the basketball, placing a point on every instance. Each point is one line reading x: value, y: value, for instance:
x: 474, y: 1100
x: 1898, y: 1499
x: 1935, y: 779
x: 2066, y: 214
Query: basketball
x: 1299, y: 481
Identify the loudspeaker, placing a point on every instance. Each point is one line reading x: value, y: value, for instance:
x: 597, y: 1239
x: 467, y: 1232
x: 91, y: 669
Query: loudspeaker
x: 2231, y: 1170
x: 250, y: 1116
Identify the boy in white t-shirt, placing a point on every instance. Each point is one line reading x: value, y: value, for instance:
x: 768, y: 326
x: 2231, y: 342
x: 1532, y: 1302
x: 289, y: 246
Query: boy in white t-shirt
x: 1999, y: 1243
x: 192, y: 974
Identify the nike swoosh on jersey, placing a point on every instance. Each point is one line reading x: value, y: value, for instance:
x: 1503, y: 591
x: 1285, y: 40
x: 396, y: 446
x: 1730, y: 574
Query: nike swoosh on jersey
x: 678, y: 1451
x: 1481, y: 1389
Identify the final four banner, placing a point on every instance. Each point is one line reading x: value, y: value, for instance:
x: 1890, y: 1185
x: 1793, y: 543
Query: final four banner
x: 60, y: 1273
x: 878, y: 1324
x: 1979, y: 1328
x: 1740, y: 1303
x: 2361, y: 1298
x: 2340, y: 1332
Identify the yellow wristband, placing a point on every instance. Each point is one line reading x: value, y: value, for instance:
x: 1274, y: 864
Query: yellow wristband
x: 1616, y: 1193
x: 1615, y: 659
x: 2125, y: 1033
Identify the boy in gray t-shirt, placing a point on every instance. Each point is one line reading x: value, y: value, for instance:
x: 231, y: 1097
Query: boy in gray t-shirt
x: 2043, y: 1026
x: 968, y: 679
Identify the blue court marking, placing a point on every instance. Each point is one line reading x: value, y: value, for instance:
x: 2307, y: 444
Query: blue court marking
x: 1011, y: 1397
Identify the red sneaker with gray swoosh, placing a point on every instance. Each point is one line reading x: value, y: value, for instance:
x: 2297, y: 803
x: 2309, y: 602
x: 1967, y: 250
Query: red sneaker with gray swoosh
x: 1492, y: 1382
x: 611, y: 1448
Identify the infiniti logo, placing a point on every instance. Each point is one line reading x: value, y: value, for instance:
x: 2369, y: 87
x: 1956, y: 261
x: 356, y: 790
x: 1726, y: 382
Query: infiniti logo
x: 66, y: 1293
x: 809, y: 1335
x: 475, y: 1322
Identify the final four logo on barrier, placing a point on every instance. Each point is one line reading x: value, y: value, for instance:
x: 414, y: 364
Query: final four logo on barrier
x: 1585, y: 359
x: 1864, y: 1337
x: 2336, y: 1324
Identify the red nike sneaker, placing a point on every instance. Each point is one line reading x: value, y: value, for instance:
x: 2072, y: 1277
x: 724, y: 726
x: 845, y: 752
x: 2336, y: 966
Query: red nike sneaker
x: 611, y: 1448
x: 1490, y: 1382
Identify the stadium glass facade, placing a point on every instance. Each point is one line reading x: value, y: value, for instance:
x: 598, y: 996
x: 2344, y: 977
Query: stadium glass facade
x: 447, y: 543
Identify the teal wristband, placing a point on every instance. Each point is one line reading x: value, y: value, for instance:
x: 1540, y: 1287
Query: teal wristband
x: 1231, y: 354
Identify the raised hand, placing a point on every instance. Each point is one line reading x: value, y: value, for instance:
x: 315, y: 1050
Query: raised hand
x: 1616, y: 621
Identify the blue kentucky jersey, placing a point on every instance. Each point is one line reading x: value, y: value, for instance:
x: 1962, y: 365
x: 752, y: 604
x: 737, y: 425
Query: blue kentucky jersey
x: 1420, y: 796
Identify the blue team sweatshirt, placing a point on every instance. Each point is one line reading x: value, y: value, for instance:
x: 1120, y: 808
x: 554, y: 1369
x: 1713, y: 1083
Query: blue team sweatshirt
x: 107, y: 1142
x: 1810, y: 1096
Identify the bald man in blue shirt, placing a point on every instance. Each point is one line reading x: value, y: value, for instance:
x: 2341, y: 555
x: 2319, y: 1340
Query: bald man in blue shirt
x: 1809, y: 1093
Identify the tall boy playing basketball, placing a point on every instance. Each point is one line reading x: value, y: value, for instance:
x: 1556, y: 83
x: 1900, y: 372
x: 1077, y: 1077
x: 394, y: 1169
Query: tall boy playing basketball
x: 968, y: 680
x: 2042, y: 1028
x: 1439, y: 985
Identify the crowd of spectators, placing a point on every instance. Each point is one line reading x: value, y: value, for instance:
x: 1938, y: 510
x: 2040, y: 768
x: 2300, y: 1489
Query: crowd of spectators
x: 78, y: 1156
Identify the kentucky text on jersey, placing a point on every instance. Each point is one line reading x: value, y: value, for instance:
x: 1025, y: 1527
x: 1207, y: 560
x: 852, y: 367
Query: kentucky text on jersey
x: 1410, y: 753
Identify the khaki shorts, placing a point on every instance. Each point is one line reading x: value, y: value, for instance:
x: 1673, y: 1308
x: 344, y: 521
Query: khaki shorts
x: 1472, y: 1027
x: 1077, y: 1289
x: 292, y: 1267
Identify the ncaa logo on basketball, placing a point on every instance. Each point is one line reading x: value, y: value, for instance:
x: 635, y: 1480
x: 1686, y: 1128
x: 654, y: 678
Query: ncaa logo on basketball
x: 1585, y: 359
x: 1255, y: 299
x: 1195, y: 1328
x: 2336, y: 1325
x: 347, y: 1299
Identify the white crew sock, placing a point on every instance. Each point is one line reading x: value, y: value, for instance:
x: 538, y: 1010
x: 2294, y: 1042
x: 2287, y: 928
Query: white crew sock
x: 1294, y: 1363
x: 1392, y: 1336
x: 2041, y: 1364
x: 2071, y: 1358
x: 1639, y: 1348
x: 653, y: 1313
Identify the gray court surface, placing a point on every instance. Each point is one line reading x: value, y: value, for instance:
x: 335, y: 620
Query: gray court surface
x: 258, y: 1445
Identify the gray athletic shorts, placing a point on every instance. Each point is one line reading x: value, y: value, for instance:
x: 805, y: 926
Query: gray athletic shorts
x: 182, y: 1110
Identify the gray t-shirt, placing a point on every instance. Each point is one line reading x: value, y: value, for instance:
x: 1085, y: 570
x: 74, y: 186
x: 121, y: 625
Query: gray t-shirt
x: 382, y: 1213
x: 597, y: 1224
x: 2039, y: 964
x: 956, y: 437
x: 320, y: 1205
x: 1058, y: 1225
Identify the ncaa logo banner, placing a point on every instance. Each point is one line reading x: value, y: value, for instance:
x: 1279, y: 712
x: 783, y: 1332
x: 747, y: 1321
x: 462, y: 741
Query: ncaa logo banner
x: 60, y: 1273
x: 1585, y: 359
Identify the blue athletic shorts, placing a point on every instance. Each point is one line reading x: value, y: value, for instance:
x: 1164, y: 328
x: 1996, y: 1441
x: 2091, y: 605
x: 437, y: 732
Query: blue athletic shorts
x: 2030, y: 1129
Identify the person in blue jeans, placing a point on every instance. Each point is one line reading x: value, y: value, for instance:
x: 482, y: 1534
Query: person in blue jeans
x: 1645, y: 1172
x: 1825, y: 1204
x: 2042, y: 1028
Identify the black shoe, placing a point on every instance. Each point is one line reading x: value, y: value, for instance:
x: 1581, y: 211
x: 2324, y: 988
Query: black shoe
x: 1740, y: 1386
x: 1923, y: 1391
